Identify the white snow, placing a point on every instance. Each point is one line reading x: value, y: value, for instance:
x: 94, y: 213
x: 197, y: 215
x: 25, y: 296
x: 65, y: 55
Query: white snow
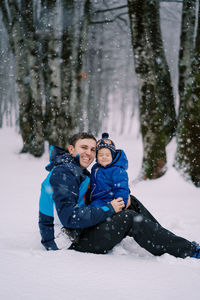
x: 128, y: 272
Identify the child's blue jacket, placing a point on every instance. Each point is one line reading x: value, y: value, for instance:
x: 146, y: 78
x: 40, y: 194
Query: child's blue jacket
x: 110, y: 182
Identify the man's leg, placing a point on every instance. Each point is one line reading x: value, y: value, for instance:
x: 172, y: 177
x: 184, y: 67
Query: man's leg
x: 158, y: 240
x: 148, y: 234
x: 161, y: 237
x: 138, y: 207
x: 104, y: 236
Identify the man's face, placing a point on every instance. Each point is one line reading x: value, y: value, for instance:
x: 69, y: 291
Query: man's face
x: 86, y: 148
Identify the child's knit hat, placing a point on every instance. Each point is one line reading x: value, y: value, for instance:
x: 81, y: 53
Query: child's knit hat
x: 105, y: 142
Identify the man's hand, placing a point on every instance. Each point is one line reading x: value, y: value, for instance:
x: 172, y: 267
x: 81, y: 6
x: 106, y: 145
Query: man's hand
x: 117, y: 204
x: 129, y: 202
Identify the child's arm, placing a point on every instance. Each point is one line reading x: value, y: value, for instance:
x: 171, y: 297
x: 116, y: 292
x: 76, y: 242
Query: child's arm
x: 120, y: 184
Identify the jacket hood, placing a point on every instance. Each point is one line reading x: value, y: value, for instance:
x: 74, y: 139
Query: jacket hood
x: 120, y: 160
x: 59, y: 156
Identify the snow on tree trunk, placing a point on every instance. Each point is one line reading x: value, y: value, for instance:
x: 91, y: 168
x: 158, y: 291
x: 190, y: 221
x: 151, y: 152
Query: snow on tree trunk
x: 91, y: 108
x: 8, y: 100
x: 186, y: 51
x: 82, y: 76
x: 68, y: 62
x: 37, y: 141
x: 22, y: 77
x: 187, y: 159
x: 156, y: 103
x: 74, y: 36
x: 94, y: 103
x: 54, y: 121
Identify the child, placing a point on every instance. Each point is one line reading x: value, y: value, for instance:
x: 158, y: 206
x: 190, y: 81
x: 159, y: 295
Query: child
x: 109, y: 179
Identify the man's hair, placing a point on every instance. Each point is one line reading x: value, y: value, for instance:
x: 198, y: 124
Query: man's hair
x: 80, y: 136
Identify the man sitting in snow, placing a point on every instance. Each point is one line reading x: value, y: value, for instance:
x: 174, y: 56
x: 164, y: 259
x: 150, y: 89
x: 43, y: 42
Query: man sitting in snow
x: 97, y: 229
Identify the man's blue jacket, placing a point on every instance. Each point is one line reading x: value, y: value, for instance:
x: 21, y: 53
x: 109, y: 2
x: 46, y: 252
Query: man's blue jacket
x: 65, y: 188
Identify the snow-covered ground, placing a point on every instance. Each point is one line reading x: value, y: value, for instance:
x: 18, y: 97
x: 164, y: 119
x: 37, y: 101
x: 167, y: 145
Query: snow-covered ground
x: 128, y: 272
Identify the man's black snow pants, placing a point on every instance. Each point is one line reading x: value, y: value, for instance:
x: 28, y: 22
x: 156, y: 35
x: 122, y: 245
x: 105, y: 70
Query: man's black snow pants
x: 138, y: 223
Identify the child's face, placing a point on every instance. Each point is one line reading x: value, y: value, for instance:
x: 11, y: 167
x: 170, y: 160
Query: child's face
x: 104, y: 157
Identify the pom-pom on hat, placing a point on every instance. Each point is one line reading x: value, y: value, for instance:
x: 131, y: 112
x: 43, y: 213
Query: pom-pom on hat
x: 105, y: 142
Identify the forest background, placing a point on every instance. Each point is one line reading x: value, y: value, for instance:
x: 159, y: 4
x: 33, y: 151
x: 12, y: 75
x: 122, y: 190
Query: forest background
x: 70, y: 65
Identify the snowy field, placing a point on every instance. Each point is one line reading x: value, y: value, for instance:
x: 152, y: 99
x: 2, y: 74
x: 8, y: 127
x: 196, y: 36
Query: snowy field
x: 128, y: 272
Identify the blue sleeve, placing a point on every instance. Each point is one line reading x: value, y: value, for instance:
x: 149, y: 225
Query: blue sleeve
x: 120, y: 184
x: 46, y: 225
x: 65, y: 195
x: 92, y: 177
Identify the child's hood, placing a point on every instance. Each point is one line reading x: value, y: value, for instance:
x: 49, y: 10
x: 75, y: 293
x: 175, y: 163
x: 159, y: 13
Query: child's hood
x: 120, y: 160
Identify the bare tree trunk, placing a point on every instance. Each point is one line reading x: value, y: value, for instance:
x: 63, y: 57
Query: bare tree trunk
x: 74, y: 37
x: 19, y: 23
x: 105, y: 101
x: 37, y: 141
x: 124, y: 102
x: 186, y: 51
x: 91, y: 110
x: 64, y: 41
x: 187, y: 159
x: 14, y: 26
x: 94, y: 104
x: 82, y: 76
x: 156, y: 103
x: 54, y: 122
x: 8, y: 99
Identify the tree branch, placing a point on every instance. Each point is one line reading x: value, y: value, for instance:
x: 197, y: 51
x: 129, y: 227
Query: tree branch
x: 118, y: 21
x: 178, y: 1
x: 110, y: 9
x: 111, y: 20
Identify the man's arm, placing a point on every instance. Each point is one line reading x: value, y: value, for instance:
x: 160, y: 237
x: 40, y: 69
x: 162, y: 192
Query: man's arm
x: 65, y: 195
